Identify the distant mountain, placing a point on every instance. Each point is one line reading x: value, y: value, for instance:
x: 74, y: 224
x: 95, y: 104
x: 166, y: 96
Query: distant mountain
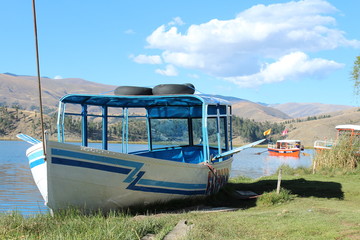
x: 23, y: 90
x: 296, y: 110
x: 258, y: 112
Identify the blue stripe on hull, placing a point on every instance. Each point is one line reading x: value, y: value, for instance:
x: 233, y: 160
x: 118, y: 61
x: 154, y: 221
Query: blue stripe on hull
x: 36, y: 154
x: 147, y: 185
x: 39, y: 156
x: 101, y: 167
x: 170, y: 184
x: 133, y: 186
x: 36, y: 163
x: 101, y: 159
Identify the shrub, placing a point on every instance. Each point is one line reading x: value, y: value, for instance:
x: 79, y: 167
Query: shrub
x: 272, y: 198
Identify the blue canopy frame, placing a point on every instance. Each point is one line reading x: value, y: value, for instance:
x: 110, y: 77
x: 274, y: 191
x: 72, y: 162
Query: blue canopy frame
x: 157, y: 106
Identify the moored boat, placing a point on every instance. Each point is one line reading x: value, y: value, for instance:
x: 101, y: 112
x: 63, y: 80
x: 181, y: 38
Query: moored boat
x: 189, y: 152
x: 289, y: 148
x: 342, y: 131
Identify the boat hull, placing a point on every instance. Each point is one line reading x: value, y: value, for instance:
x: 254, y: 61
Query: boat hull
x: 93, y: 179
x: 284, y: 152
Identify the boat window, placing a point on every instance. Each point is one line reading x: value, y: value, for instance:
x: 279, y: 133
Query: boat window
x: 197, y: 131
x: 169, y: 132
x: 213, y: 133
x: 137, y: 129
x: 72, y: 128
x: 94, y: 128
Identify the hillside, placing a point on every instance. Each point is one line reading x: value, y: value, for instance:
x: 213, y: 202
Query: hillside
x: 310, y: 131
x: 296, y: 110
x: 23, y: 90
x: 257, y: 112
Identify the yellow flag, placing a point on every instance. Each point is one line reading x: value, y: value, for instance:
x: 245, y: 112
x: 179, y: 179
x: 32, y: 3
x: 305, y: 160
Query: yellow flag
x: 267, y: 132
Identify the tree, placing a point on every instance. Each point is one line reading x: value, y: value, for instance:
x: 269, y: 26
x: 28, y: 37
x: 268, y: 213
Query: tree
x: 355, y: 76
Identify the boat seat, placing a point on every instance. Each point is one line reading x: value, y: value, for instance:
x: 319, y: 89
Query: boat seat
x: 167, y: 154
x: 190, y: 154
x: 193, y: 155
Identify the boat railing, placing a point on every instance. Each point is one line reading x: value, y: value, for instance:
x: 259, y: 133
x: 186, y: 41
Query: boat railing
x: 324, y: 144
x: 287, y: 146
x: 272, y: 145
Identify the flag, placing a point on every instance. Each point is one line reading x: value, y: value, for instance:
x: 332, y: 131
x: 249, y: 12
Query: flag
x: 267, y: 132
x: 284, y: 132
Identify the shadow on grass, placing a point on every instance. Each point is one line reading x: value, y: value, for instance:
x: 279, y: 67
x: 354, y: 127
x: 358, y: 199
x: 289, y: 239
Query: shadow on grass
x: 300, y: 187
x: 227, y: 196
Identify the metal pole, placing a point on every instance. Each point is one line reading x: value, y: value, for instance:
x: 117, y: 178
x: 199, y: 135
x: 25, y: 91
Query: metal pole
x: 39, y: 80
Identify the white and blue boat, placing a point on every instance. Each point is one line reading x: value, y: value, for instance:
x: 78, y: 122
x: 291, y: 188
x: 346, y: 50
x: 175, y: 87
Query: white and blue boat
x: 193, y: 160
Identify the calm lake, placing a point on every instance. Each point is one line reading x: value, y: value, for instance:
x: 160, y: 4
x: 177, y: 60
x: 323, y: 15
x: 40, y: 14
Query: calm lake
x: 19, y: 192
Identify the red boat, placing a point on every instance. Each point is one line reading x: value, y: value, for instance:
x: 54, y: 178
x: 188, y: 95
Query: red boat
x: 290, y: 148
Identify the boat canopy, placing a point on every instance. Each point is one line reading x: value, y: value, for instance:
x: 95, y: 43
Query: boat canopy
x: 348, y: 127
x: 157, y: 105
x: 200, y: 120
x: 288, y: 141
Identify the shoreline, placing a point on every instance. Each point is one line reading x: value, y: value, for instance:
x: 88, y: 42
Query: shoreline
x: 143, y: 143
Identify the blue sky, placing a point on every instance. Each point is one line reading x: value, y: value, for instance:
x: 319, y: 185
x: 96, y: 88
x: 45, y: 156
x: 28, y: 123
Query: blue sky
x: 263, y: 51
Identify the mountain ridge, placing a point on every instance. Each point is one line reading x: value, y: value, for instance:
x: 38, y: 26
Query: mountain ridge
x: 21, y: 90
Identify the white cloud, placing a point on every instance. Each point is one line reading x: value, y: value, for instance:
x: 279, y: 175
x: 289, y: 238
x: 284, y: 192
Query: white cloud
x: 176, y: 21
x: 260, y: 36
x: 170, y: 71
x: 292, y: 66
x: 146, y: 59
x: 58, y: 77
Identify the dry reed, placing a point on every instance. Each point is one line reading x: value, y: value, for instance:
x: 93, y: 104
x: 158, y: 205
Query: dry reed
x: 345, y: 154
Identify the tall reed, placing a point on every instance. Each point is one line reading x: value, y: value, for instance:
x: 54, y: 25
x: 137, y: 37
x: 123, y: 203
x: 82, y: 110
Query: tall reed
x: 344, y: 154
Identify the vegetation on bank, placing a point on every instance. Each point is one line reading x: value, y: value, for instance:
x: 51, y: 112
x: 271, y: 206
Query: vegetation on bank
x: 344, y: 155
x: 322, y: 206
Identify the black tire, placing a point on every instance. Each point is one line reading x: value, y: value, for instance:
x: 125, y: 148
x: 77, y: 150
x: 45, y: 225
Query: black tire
x: 132, y: 90
x: 165, y: 89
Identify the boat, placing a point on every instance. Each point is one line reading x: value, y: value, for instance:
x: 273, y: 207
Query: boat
x: 290, y: 148
x: 193, y: 160
x: 342, y: 131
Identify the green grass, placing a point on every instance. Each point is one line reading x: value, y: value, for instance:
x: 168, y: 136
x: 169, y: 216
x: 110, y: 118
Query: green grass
x: 310, y: 206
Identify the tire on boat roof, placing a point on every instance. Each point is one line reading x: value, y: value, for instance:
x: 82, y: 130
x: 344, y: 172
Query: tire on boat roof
x: 132, y: 90
x: 164, y: 89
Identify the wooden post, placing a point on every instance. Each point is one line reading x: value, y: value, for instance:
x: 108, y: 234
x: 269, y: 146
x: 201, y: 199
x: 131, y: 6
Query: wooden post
x: 279, y: 182
x: 314, y: 167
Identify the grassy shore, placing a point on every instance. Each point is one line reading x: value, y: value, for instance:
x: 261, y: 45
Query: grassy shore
x: 315, y: 206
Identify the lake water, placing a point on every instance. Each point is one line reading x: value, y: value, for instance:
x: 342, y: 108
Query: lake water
x: 18, y: 191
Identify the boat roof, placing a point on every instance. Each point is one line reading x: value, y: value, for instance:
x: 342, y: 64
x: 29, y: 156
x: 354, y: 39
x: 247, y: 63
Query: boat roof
x: 348, y: 127
x: 288, y: 141
x: 143, y: 100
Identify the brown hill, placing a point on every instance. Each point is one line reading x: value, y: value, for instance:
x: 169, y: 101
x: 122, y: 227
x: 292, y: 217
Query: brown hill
x: 310, y: 131
x: 23, y: 90
x: 257, y: 112
x: 296, y: 110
